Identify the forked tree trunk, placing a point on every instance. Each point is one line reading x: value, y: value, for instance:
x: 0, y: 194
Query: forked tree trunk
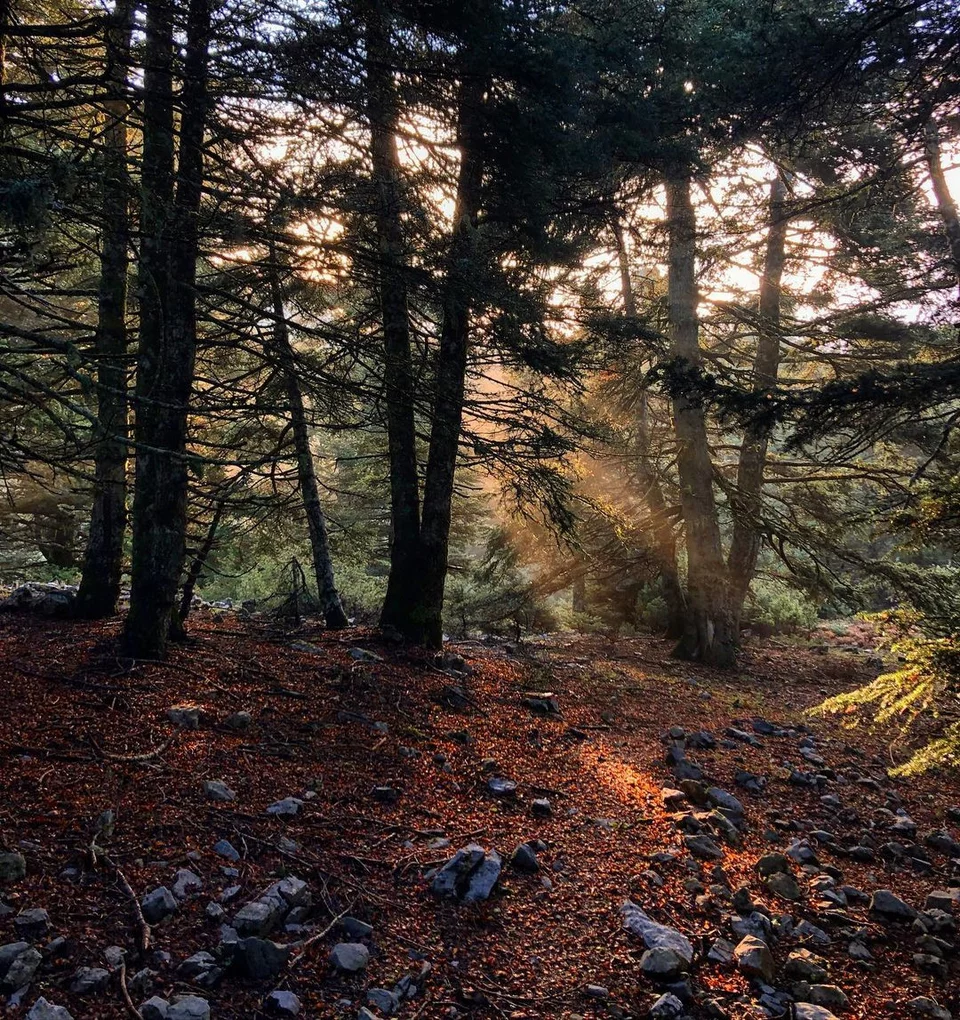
x: 330, y: 605
x: 941, y: 191
x: 662, y: 542
x: 711, y: 634
x: 426, y: 622
x: 167, y: 287
x: 748, y: 502
x: 398, y: 376
x: 103, y: 560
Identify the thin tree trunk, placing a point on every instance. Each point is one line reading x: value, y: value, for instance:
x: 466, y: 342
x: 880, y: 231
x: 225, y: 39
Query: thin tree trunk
x: 398, y: 377
x: 330, y: 604
x: 451, y: 372
x: 103, y: 561
x: 747, y: 506
x: 711, y: 635
x: 662, y: 543
x: 945, y: 203
x: 168, y: 334
x: 199, y: 561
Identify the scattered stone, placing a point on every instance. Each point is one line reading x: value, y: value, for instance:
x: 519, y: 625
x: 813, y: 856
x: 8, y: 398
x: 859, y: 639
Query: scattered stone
x: 356, y: 928
x: 281, y: 1003
x: 216, y: 789
x: 721, y: 952
x: 186, y: 883
x: 811, y: 933
x: 89, y: 980
x: 13, y: 867
x: 785, y: 886
x: 470, y: 875
x: 754, y: 958
x: 828, y: 996
x: 260, y: 959
x: 772, y: 864
x: 155, y: 1008
x: 802, y: 965
x: 239, y: 721
x: 286, y: 808
x: 189, y: 1007
x: 653, y: 934
x: 858, y: 951
x: 884, y: 903
x: 923, y: 1005
x: 541, y: 808
x: 32, y: 924
x: 363, y: 655
x: 350, y: 956
x: 500, y: 787
x: 19, y: 961
x: 545, y: 705
x: 184, y: 715
x: 256, y: 918
x: 525, y: 859
x: 943, y: 899
x: 661, y: 964
x: 597, y: 991
x: 226, y: 850
x: 703, y: 847
x: 158, y: 904
x: 667, y: 1007
x: 44, y: 1010
x: 809, y: 1011
x: 384, y: 1000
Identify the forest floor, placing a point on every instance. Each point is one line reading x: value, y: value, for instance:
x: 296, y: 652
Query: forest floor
x: 389, y: 764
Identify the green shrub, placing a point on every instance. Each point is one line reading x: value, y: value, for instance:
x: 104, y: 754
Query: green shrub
x: 778, y: 607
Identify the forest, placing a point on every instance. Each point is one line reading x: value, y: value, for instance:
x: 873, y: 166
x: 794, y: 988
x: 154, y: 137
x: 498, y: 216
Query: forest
x: 480, y: 486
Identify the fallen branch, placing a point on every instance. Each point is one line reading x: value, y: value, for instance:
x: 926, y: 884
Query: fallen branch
x: 128, y: 1002
x: 319, y: 935
x: 143, y: 929
x: 146, y: 756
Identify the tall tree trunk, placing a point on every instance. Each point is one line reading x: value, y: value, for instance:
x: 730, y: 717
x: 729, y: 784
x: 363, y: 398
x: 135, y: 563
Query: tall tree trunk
x: 103, y: 561
x: 398, y: 376
x: 747, y: 505
x: 711, y: 634
x: 941, y: 191
x: 425, y: 624
x: 168, y: 334
x: 330, y: 604
x: 662, y: 543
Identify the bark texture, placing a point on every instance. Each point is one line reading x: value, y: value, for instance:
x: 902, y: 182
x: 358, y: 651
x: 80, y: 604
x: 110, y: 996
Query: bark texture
x: 425, y: 623
x: 711, y: 634
x: 167, y: 292
x: 398, y: 381
x: 103, y: 560
x: 945, y: 203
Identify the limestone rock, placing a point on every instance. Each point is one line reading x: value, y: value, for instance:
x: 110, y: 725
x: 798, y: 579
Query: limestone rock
x: 189, y: 1007
x: 884, y: 903
x: 158, y: 904
x: 281, y: 1003
x: 13, y: 867
x: 89, y: 980
x: 350, y: 956
x: 44, y: 1010
x: 653, y: 934
x: 217, y: 789
x: 469, y: 876
x: 754, y: 958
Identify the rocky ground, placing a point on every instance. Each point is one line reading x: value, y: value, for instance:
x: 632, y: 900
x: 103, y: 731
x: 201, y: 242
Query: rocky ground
x: 322, y: 826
